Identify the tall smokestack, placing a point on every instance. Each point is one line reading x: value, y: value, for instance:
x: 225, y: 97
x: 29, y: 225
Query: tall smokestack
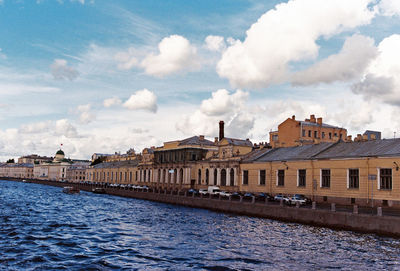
x: 221, y: 130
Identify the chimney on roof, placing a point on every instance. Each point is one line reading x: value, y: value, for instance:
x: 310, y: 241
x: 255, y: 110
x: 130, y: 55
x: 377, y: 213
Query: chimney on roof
x: 201, y: 137
x: 221, y: 130
x: 293, y: 117
x: 349, y: 138
x: 312, y: 119
x: 215, y: 139
x: 319, y: 121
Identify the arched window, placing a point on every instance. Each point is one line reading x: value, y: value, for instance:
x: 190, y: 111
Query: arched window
x: 232, y: 176
x: 159, y: 176
x: 175, y: 176
x: 215, y: 176
x: 199, y: 177
x: 181, y: 175
x: 207, y: 176
x: 223, y: 177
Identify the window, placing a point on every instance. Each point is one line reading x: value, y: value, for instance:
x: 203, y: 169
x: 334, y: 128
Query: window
x: 245, y: 177
x: 353, y: 178
x: 301, y: 177
x: 309, y: 133
x: 335, y: 134
x: 207, y: 176
x: 281, y: 177
x: 323, y: 135
x: 303, y: 132
x: 385, y: 178
x: 199, y: 177
x: 325, y: 178
x: 136, y: 173
x: 330, y: 135
x: 262, y: 177
x: 315, y: 134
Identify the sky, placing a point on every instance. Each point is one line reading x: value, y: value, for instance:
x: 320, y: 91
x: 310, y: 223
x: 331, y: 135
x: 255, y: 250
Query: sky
x: 105, y: 76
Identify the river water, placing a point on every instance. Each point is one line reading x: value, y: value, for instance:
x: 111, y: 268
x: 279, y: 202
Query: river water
x: 42, y: 228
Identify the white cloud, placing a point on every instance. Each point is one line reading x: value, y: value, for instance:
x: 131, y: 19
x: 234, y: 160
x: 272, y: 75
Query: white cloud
x: 142, y: 99
x: 64, y: 128
x: 112, y: 102
x: 215, y: 43
x: 350, y: 63
x: 389, y: 7
x: 2, y: 55
x: 85, y: 115
x: 176, y: 54
x: 382, y: 78
x: 221, y: 102
x: 127, y: 60
x: 288, y: 34
x: 34, y: 128
x: 221, y: 106
x: 60, y: 70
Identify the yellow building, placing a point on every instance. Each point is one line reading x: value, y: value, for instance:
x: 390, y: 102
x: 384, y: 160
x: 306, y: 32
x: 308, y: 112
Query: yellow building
x: 344, y: 172
x: 293, y: 132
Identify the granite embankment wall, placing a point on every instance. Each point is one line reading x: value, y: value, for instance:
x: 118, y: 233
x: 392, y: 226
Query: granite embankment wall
x: 382, y: 225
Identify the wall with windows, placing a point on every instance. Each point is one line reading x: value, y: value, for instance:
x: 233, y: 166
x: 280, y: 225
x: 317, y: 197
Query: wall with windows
x: 360, y: 178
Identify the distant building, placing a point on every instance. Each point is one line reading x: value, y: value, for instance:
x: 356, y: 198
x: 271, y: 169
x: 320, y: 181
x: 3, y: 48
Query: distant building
x: 372, y: 134
x: 34, y: 159
x: 293, y: 132
x: 55, y: 170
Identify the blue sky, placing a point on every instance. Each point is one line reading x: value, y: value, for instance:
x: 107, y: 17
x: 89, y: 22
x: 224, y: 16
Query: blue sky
x: 105, y: 76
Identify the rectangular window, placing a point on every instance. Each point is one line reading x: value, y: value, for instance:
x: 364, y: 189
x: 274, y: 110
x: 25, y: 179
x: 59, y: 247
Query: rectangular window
x: 330, y: 135
x: 303, y: 132
x: 325, y: 178
x: 281, y: 177
x: 354, y: 179
x: 302, y: 177
x: 262, y: 177
x: 245, y: 177
x: 385, y: 176
x: 309, y: 133
x: 323, y: 135
x: 315, y: 134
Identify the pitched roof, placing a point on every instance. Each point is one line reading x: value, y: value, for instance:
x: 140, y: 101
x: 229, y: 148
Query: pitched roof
x: 308, y: 123
x: 196, y: 140
x: 239, y: 142
x: 118, y: 164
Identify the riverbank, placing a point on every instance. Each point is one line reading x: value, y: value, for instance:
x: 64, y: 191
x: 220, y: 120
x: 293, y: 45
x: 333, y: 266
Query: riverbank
x: 331, y: 218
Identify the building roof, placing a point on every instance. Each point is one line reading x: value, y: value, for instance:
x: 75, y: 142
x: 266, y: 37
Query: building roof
x: 16, y: 165
x: 196, y: 140
x: 117, y: 164
x: 239, y: 142
x: 308, y: 123
x: 60, y: 152
x: 340, y: 149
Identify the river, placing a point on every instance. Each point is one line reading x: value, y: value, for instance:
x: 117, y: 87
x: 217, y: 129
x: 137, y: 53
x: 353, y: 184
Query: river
x: 42, y: 228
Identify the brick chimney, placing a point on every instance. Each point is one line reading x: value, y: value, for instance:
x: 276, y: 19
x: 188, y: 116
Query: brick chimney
x: 221, y: 130
x: 312, y: 119
x: 293, y: 117
x: 319, y: 121
x: 201, y: 137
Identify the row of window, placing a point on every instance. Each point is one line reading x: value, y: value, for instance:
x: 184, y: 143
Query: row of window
x: 353, y: 178
x: 322, y: 134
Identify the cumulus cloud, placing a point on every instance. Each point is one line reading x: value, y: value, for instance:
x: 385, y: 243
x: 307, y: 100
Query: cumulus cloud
x: 222, y: 102
x: 60, y: 70
x: 34, y: 128
x: 142, y: 99
x: 382, y: 77
x: 389, y: 7
x: 285, y: 34
x: 176, y: 54
x: 2, y: 55
x: 221, y: 106
x: 112, y: 102
x: 350, y: 63
x: 64, y: 128
x: 215, y: 43
x: 85, y: 115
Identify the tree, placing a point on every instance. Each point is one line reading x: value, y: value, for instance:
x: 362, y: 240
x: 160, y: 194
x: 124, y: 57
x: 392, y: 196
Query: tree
x: 11, y: 161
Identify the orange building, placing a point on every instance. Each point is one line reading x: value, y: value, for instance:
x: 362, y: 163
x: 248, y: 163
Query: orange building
x: 294, y: 132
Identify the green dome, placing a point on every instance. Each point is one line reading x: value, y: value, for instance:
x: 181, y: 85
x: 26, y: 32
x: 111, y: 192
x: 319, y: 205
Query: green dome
x: 60, y: 152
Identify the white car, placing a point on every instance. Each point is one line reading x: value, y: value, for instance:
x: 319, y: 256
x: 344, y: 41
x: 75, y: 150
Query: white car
x: 203, y: 192
x: 293, y: 200
x: 225, y: 194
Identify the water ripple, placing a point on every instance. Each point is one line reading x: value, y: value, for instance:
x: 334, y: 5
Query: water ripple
x: 44, y: 229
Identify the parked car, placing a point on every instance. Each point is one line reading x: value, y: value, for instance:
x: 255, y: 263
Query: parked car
x: 264, y: 196
x: 192, y: 191
x: 280, y: 197
x: 293, y: 200
x: 300, y: 196
x: 213, y: 190
x: 248, y: 195
x: 236, y: 195
x: 225, y: 194
x: 203, y: 192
